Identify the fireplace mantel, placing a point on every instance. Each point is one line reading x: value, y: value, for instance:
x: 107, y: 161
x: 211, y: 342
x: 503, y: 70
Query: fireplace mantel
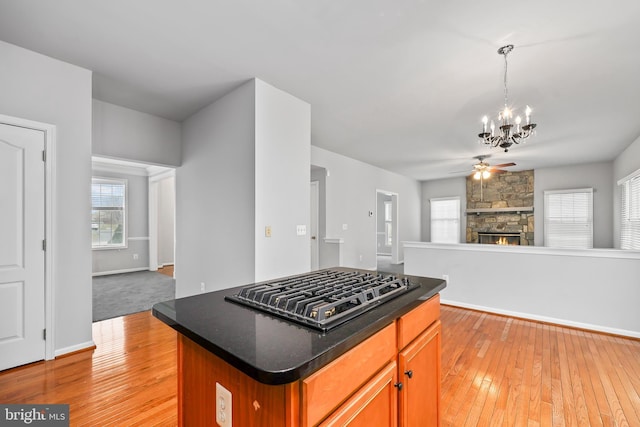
x: 478, y: 211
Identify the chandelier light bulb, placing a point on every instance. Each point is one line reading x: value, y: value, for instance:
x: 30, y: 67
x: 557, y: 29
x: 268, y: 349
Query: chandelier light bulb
x: 507, y: 135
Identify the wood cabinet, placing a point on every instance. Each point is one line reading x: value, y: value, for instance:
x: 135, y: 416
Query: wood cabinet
x: 419, y: 371
x: 391, y: 378
x: 374, y: 404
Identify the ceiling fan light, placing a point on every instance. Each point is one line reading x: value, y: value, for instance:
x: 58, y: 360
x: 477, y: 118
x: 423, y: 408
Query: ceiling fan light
x: 477, y: 175
x: 486, y: 174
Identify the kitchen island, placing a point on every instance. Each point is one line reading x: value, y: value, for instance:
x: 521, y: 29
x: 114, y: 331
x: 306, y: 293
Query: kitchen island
x: 282, y: 373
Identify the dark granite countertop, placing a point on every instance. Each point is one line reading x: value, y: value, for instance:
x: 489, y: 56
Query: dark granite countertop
x: 270, y: 349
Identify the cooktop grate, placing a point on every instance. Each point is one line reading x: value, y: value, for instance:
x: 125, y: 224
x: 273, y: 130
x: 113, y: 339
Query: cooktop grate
x: 322, y: 299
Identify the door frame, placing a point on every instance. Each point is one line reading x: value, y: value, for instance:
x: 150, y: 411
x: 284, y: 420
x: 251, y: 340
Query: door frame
x: 153, y: 219
x: 315, y: 196
x: 395, y: 239
x: 49, y: 131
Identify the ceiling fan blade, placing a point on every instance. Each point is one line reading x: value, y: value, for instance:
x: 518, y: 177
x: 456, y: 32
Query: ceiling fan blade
x: 504, y: 165
x: 498, y: 171
x: 464, y: 171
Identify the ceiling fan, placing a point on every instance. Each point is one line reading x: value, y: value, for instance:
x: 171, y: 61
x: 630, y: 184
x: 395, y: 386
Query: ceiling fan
x: 483, y: 170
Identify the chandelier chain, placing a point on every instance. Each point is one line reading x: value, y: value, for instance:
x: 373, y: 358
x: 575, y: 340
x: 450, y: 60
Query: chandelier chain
x: 505, y: 81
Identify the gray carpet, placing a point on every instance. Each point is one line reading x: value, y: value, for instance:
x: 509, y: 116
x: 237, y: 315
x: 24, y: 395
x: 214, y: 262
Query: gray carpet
x: 120, y: 294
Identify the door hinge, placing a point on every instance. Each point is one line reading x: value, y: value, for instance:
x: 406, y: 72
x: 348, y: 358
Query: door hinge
x: 44, y: 334
x: 44, y: 245
x: 44, y: 155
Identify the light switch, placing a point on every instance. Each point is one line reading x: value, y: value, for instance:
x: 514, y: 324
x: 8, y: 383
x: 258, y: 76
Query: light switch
x: 301, y: 230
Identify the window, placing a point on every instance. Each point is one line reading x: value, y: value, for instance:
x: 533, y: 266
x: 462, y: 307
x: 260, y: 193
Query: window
x: 388, y: 223
x: 630, y: 211
x: 108, y: 202
x: 568, y: 218
x: 445, y: 220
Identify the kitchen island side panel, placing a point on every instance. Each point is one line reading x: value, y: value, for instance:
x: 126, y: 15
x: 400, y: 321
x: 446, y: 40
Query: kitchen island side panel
x: 254, y: 403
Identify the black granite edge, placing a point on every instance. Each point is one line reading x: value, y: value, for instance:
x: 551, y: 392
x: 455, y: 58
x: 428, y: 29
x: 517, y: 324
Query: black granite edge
x: 297, y: 372
x: 238, y: 363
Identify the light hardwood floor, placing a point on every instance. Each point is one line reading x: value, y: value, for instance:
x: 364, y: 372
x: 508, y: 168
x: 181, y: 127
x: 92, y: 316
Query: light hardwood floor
x: 495, y: 371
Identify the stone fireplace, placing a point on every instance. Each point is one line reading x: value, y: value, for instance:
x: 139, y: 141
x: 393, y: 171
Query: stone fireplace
x: 503, y: 212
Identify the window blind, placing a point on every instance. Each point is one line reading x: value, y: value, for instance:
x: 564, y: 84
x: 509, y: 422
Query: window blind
x: 445, y: 220
x: 630, y: 212
x: 568, y: 218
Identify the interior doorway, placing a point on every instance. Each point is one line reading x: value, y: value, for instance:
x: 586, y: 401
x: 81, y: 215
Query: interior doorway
x: 133, y: 236
x: 313, y: 224
x: 387, y: 239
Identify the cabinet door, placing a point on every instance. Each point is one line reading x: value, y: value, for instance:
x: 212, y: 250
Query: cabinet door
x: 375, y: 404
x: 419, y: 371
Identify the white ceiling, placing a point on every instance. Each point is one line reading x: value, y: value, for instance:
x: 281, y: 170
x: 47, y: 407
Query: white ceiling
x: 395, y: 83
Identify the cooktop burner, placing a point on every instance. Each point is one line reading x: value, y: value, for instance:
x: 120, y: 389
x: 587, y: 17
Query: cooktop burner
x: 323, y: 299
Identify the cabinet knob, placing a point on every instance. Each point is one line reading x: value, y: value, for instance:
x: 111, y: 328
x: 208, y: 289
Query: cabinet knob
x: 409, y: 374
x: 398, y: 386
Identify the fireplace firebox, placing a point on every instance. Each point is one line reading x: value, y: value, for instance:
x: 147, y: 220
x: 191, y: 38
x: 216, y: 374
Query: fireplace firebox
x: 509, y: 239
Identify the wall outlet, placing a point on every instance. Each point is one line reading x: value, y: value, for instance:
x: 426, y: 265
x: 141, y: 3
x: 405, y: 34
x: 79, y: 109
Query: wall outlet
x: 345, y: 226
x: 135, y: 256
x: 223, y: 406
x: 446, y: 278
x: 361, y: 258
x: 202, y: 287
x: 267, y: 231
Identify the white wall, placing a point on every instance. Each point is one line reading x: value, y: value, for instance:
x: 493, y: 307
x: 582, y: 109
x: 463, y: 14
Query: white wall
x: 451, y: 187
x: 282, y: 174
x: 593, y: 289
x: 351, y: 193
x: 137, y: 224
x: 245, y: 165
x: 598, y: 176
x: 122, y: 133
x: 215, y: 195
x: 626, y: 163
x: 43, y: 89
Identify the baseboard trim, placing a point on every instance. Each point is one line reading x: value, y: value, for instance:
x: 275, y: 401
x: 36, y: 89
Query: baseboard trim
x: 545, y: 319
x: 67, y: 351
x: 126, y: 270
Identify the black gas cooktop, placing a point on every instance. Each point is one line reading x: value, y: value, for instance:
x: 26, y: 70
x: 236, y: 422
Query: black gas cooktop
x: 323, y: 299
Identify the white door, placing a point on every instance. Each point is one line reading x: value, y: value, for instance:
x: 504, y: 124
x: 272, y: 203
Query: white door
x: 22, y: 230
x: 313, y: 232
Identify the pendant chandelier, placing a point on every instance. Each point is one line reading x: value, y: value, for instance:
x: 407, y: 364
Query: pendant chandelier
x: 507, y: 135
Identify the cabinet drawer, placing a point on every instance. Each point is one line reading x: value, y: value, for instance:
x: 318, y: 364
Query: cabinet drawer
x: 326, y: 389
x: 413, y: 323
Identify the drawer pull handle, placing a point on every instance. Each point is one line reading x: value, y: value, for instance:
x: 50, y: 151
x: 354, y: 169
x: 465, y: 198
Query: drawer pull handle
x: 398, y: 386
x: 409, y: 374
